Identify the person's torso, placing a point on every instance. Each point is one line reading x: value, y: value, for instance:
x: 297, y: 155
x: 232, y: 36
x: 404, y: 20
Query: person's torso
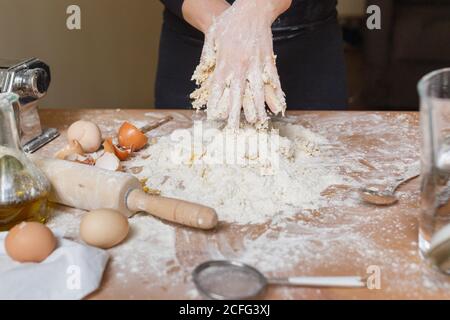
x: 303, y: 15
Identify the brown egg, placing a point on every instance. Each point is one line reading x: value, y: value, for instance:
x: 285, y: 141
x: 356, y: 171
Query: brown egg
x: 131, y: 137
x: 30, y: 242
x: 103, y: 228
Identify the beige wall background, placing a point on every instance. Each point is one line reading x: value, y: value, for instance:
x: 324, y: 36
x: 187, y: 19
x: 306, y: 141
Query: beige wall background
x: 109, y: 63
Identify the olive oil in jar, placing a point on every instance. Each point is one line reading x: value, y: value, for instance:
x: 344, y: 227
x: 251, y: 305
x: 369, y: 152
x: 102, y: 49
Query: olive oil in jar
x: 23, y: 197
x: 31, y: 210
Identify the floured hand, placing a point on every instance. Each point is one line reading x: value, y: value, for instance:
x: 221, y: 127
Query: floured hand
x: 237, y: 68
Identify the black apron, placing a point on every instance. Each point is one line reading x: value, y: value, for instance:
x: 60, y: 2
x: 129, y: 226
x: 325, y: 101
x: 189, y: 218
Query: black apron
x: 307, y: 41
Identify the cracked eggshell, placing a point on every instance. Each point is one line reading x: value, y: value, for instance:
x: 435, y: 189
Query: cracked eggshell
x: 108, y: 161
x: 110, y: 147
x: 68, y: 152
x: 131, y: 137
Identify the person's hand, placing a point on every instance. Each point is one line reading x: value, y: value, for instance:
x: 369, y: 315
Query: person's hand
x: 237, y: 68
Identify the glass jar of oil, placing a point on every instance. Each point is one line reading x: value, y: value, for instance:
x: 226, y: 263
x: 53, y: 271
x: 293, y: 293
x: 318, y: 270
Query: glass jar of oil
x: 24, y: 188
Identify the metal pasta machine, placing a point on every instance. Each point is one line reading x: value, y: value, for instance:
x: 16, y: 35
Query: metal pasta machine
x: 30, y: 79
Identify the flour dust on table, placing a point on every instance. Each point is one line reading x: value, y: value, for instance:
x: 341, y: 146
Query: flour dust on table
x: 296, y: 215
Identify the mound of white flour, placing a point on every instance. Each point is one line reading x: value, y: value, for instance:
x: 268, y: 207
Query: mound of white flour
x: 248, y: 176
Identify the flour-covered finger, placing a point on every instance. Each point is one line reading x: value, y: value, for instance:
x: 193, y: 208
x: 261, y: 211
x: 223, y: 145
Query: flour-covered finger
x: 224, y: 105
x: 275, y: 104
x: 216, y: 101
x: 275, y: 97
x: 214, y: 94
x: 257, y: 88
x: 236, y: 94
x: 249, y: 105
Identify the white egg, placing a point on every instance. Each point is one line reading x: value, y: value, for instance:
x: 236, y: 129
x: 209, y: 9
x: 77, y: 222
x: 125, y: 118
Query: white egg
x: 87, y: 134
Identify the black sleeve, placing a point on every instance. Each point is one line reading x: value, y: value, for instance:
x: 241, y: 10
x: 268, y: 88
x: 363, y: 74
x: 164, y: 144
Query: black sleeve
x: 175, y: 6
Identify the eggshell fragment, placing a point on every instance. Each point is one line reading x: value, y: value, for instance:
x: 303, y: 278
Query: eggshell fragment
x: 108, y: 145
x: 72, y: 149
x: 104, y: 228
x: 30, y: 242
x: 131, y: 137
x: 111, y: 148
x: 89, y: 160
x: 87, y: 134
x: 108, y: 161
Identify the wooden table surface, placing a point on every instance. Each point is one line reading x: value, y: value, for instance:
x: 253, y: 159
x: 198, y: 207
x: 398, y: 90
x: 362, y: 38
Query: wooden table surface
x: 387, y: 237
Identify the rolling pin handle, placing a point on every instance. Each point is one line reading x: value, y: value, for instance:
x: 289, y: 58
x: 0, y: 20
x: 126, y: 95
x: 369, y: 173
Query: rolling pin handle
x: 178, y: 211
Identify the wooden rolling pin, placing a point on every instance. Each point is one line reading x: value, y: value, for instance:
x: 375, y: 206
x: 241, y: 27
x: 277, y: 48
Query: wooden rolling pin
x: 86, y: 187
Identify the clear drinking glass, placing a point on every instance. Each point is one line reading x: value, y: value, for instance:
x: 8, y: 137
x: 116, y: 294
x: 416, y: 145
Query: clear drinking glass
x: 434, y: 222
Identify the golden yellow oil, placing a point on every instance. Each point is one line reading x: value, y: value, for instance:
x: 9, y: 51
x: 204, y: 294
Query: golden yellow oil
x: 31, y: 210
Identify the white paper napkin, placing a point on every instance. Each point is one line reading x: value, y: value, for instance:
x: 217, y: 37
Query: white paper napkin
x: 71, y: 272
